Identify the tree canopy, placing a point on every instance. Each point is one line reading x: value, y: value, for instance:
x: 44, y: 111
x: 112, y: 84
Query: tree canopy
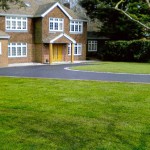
x: 123, y: 19
x: 5, y: 4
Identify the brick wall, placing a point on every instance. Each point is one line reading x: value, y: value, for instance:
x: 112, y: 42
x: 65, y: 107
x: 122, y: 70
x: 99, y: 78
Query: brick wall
x: 38, y: 29
x: 79, y: 38
x: 30, y: 57
x: 4, y: 54
x: 38, y: 52
x: 21, y: 37
x: 57, y: 13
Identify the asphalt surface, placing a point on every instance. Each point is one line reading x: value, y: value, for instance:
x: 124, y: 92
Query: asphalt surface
x: 58, y: 72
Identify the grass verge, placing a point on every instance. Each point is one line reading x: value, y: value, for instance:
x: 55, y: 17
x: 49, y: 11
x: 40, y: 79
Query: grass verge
x: 73, y: 115
x: 117, y: 67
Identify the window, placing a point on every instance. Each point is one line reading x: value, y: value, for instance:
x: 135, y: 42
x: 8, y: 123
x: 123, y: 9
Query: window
x: 76, y: 26
x: 16, y: 23
x: 0, y: 48
x: 17, y: 50
x: 77, y: 49
x: 56, y: 24
x: 92, y: 45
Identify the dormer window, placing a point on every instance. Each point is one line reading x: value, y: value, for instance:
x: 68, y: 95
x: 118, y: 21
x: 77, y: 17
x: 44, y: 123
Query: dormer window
x: 16, y: 23
x: 76, y: 27
x: 56, y: 24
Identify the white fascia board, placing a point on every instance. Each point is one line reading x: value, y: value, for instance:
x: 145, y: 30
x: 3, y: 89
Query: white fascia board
x: 15, y: 15
x: 4, y: 37
x: 61, y: 35
x: 55, y: 5
x: 79, y: 20
x: 71, y: 39
x: 56, y: 38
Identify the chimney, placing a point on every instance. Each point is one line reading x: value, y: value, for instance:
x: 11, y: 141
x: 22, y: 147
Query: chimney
x: 67, y: 4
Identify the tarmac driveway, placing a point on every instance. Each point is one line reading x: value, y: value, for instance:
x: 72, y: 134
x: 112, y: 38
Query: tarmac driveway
x: 58, y: 72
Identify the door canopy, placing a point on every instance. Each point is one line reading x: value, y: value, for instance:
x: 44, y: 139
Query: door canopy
x: 61, y: 38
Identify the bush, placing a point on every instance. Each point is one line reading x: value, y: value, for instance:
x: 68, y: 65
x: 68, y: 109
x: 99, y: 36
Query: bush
x: 136, y: 50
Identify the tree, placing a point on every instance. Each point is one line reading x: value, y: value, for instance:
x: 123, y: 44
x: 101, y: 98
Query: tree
x: 123, y: 19
x: 5, y: 4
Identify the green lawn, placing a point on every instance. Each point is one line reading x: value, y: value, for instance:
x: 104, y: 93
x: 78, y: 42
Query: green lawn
x: 118, y: 67
x: 43, y: 114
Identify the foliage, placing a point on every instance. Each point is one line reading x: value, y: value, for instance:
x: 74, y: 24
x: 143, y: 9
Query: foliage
x: 5, y: 4
x: 122, y: 21
x: 136, y: 50
x: 44, y: 114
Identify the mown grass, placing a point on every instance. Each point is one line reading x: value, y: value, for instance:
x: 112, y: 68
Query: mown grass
x: 42, y: 114
x: 118, y: 67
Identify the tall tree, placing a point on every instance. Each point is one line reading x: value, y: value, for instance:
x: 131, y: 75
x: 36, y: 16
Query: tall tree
x: 123, y: 19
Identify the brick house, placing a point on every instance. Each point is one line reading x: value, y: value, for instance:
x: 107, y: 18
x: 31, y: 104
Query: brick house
x: 44, y: 31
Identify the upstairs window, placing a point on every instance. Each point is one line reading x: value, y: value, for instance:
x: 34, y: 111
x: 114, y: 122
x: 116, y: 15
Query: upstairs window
x: 56, y: 24
x: 77, y: 49
x: 92, y: 46
x: 16, y: 23
x: 76, y: 26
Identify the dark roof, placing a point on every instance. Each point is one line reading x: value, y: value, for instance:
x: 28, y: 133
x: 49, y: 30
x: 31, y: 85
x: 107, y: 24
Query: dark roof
x: 43, y: 8
x: 49, y: 38
x: 96, y: 35
x: 35, y: 8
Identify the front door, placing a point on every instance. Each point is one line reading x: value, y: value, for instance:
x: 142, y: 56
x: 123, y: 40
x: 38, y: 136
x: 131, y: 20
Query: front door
x: 57, y: 52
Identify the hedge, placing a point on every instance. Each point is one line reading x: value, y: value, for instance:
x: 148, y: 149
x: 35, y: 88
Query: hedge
x: 136, y: 50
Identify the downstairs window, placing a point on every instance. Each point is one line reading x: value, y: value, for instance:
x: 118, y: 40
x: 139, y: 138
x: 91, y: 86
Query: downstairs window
x: 77, y: 49
x: 17, y: 50
x: 92, y: 46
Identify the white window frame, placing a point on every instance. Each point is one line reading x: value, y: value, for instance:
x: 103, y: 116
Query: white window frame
x: 16, y: 23
x: 92, y: 46
x: 77, y: 49
x: 17, y: 50
x: 76, y: 27
x: 0, y: 48
x: 56, y: 21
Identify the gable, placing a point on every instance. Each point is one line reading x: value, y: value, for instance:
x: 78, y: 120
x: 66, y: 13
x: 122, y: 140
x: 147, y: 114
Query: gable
x: 59, y: 38
x: 60, y: 7
x: 63, y: 37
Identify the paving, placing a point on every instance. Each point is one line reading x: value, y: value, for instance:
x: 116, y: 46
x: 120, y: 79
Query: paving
x: 61, y: 71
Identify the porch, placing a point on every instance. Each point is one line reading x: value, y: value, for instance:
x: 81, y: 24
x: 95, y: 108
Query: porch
x: 59, y: 49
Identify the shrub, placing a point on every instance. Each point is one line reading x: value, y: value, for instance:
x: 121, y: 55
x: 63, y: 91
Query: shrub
x: 136, y: 50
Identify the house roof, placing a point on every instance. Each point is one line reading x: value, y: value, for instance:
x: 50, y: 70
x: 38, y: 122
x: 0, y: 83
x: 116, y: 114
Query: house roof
x: 42, y: 8
x: 96, y: 36
x: 4, y: 35
x: 39, y: 8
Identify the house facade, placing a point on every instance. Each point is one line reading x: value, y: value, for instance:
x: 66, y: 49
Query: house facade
x: 44, y: 31
x: 95, y: 39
